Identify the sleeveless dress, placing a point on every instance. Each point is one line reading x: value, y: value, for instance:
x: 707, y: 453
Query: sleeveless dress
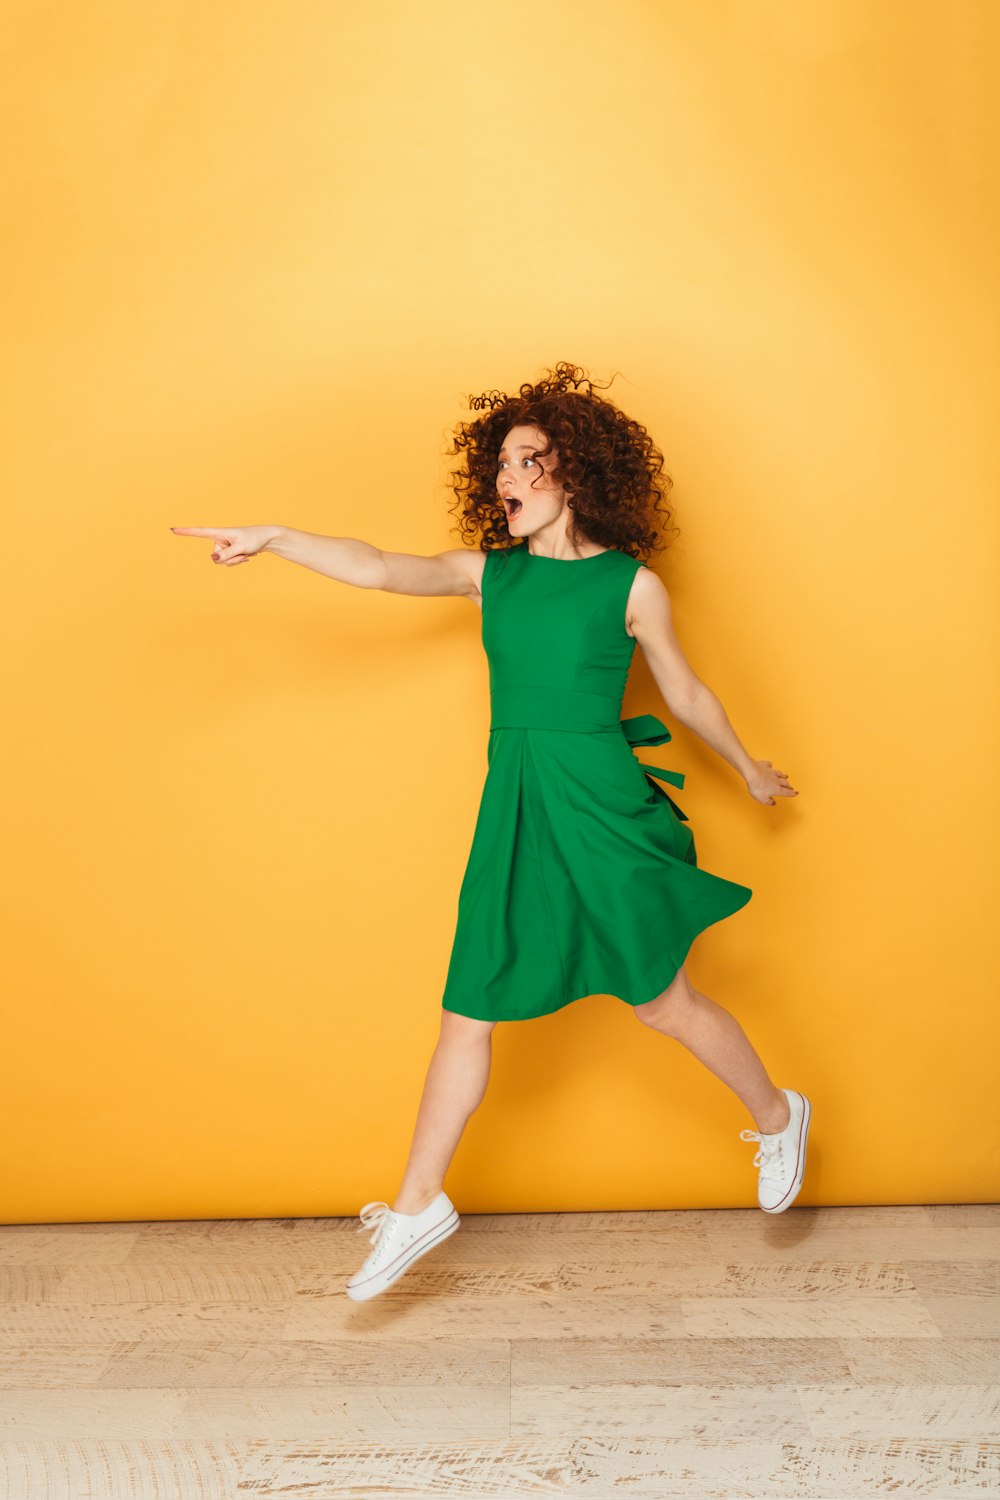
x: 582, y: 877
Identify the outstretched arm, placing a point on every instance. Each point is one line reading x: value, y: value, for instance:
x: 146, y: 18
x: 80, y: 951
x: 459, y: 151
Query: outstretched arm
x: 690, y: 700
x: 348, y: 559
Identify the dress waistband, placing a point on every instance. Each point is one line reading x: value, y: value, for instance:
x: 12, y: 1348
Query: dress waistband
x: 582, y: 713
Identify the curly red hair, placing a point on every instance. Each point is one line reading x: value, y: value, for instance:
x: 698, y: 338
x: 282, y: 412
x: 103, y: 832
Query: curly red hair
x: 609, y: 461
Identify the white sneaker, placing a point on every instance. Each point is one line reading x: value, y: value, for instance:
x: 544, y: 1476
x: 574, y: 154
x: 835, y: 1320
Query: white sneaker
x: 782, y: 1156
x: 399, y: 1240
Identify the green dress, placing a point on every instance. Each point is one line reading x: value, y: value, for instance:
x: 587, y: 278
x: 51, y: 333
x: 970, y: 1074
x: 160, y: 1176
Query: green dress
x: 582, y: 877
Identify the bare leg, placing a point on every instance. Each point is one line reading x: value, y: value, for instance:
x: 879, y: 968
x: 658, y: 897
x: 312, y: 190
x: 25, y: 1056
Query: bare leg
x: 456, y: 1081
x: 718, y: 1040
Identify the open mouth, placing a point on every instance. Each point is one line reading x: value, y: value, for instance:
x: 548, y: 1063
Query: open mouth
x: 513, y: 506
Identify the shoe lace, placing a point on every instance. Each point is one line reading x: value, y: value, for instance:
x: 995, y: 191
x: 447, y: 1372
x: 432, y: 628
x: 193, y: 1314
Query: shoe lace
x: 375, y: 1216
x: 769, y: 1148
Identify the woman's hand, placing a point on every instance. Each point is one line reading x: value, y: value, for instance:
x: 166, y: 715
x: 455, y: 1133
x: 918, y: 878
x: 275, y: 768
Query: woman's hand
x: 233, y: 544
x: 765, y: 783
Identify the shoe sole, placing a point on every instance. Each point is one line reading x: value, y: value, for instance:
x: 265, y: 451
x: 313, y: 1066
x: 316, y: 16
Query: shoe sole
x: 385, y: 1279
x: 793, y: 1191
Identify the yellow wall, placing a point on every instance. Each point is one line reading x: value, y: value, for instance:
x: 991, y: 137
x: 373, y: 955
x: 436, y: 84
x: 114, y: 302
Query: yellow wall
x: 258, y: 256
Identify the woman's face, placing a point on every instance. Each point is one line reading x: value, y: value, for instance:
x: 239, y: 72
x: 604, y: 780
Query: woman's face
x: 531, y: 499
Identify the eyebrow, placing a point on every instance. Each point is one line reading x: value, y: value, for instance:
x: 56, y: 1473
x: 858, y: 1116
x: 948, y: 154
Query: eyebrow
x: 519, y: 449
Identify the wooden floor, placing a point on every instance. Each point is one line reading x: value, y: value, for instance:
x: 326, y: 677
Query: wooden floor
x: 823, y: 1353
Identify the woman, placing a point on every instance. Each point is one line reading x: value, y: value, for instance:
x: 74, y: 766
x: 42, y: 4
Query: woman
x: 582, y: 877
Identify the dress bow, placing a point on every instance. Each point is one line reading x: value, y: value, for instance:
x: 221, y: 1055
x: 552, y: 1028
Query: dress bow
x: 647, y: 729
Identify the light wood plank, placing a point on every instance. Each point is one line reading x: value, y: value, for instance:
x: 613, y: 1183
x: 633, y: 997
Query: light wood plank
x: 95, y: 1413
x: 95, y: 1470
x: 357, y: 1363
x: 954, y: 1278
x: 904, y: 1316
x: 172, y: 1281
x: 65, y: 1244
x: 965, y: 1317
x: 607, y: 1274
x: 781, y: 1238
x: 22, y: 1284
x: 383, y: 1413
x: 740, y: 1364
x: 608, y: 1468
x: 916, y: 1362
x: 109, y: 1322
x: 33, y: 1362
x: 664, y: 1410
x: 933, y: 1412
x: 410, y: 1315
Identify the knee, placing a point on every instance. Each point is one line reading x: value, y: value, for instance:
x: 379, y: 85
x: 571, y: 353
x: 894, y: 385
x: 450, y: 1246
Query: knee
x: 667, y: 1011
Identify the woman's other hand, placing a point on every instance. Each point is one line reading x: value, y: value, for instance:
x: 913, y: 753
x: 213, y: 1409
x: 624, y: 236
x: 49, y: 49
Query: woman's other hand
x: 765, y: 784
x: 233, y: 544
